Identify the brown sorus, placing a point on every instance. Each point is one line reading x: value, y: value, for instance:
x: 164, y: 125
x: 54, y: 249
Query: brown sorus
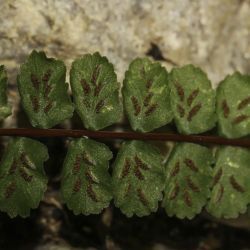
x: 174, y: 192
x: 138, y: 173
x: 192, y: 185
x: 35, y: 103
x: 99, y: 106
x: 89, y: 176
x: 13, y: 167
x: 149, y: 84
x: 10, y: 190
x: 25, y: 161
x: 35, y: 81
x: 137, y: 107
x: 181, y: 110
x: 140, y: 163
x: 48, y: 107
x: 91, y: 193
x: 193, y: 112
x: 244, y: 103
x: 217, y: 176
x: 142, y: 197
x: 189, y: 163
x: 25, y: 175
x: 23, y: 158
x: 240, y: 119
x: 85, y: 86
x: 192, y: 96
x: 98, y: 88
x: 147, y: 99
x: 236, y: 185
x: 47, y: 90
x: 126, y: 168
x: 77, y: 165
x: 151, y: 109
x: 175, y: 169
x: 187, y: 198
x: 225, y: 108
x: 180, y: 91
x: 47, y: 75
x: 77, y: 185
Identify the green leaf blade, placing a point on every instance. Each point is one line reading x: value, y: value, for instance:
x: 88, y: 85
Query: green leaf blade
x: 22, y: 177
x: 138, y: 178
x: 233, y: 106
x: 5, y: 109
x: 43, y: 91
x: 188, y: 180
x: 86, y: 183
x: 146, y: 95
x: 95, y: 91
x: 231, y: 187
x: 192, y: 100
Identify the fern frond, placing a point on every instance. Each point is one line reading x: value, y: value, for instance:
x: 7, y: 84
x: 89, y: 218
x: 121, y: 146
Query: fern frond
x: 138, y: 178
x: 43, y: 91
x: 22, y: 177
x: 192, y: 100
x: 231, y: 187
x: 86, y: 183
x: 188, y: 180
x: 146, y: 95
x: 233, y: 106
x: 95, y: 91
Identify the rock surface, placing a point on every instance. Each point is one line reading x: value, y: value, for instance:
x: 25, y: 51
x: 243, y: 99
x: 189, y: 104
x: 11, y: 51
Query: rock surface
x: 213, y: 34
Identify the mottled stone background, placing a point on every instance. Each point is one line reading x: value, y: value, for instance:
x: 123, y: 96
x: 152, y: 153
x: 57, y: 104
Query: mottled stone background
x: 213, y: 34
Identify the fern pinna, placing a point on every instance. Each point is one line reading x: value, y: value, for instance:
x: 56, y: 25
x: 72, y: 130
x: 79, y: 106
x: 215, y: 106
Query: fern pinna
x: 192, y: 178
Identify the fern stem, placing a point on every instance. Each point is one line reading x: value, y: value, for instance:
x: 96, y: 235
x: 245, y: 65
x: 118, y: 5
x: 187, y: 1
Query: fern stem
x: 110, y: 135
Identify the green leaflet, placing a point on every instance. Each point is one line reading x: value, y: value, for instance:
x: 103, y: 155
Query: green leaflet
x: 43, y: 90
x: 95, y: 91
x: 146, y: 95
x: 231, y: 187
x: 86, y: 183
x: 188, y: 180
x: 22, y: 177
x: 138, y: 178
x: 5, y: 109
x: 233, y: 106
x: 192, y: 100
